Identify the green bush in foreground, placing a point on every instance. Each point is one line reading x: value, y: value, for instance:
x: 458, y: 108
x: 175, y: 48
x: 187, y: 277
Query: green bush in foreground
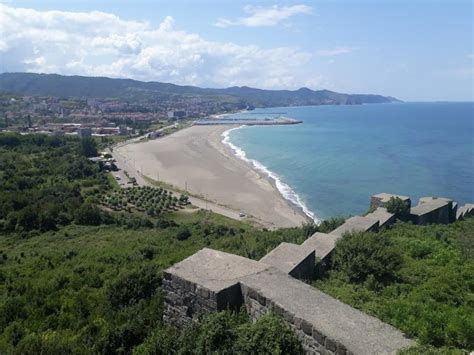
x: 363, y: 255
x: 225, y: 333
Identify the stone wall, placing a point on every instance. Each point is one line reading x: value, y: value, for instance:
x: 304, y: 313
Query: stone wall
x: 313, y: 341
x: 185, y: 301
x: 431, y: 210
x: 305, y: 269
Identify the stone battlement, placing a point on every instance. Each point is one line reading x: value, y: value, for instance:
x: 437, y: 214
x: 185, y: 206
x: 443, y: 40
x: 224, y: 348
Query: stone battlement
x: 211, y: 280
x: 323, y: 324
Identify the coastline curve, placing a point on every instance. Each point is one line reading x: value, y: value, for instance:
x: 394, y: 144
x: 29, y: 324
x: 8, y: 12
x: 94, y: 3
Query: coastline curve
x: 283, y: 188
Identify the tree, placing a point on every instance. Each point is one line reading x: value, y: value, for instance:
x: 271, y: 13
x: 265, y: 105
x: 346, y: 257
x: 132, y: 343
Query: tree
x: 88, y: 214
x: 134, y: 286
x: 88, y: 147
x: 163, y: 340
x: 361, y: 255
x: 10, y: 140
x: 27, y: 219
x: 398, y: 207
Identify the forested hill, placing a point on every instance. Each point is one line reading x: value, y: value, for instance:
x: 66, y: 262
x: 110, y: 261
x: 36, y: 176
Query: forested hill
x: 101, y: 87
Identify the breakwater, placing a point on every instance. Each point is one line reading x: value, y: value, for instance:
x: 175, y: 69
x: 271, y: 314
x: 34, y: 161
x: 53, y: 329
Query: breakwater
x: 248, y: 121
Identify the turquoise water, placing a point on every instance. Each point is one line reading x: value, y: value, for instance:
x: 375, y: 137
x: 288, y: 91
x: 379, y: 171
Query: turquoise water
x: 341, y: 155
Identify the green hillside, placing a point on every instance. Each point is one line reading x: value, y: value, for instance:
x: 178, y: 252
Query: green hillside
x: 101, y: 87
x: 78, y: 278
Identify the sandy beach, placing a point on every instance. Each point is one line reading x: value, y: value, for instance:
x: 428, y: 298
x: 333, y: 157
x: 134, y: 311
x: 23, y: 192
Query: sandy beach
x: 195, y: 159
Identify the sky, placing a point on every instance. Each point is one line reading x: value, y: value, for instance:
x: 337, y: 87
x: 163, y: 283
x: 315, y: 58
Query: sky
x: 414, y: 50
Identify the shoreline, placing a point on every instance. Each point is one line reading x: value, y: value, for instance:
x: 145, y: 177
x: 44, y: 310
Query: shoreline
x: 196, y: 160
x: 283, y: 188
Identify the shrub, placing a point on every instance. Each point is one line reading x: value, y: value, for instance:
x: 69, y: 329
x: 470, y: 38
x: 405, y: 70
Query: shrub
x: 360, y: 255
x: 269, y: 335
x: 88, y: 214
x: 134, y: 286
x: 216, y: 333
x: 183, y: 233
x: 164, y: 223
x: 398, y: 207
x: 230, y: 332
x: 148, y: 252
x: 161, y: 341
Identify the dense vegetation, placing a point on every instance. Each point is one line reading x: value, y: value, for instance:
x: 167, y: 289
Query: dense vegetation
x: 418, y: 278
x: 225, y: 333
x: 75, y: 278
x: 45, y: 181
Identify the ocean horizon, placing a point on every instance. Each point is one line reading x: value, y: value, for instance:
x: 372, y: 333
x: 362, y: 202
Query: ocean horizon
x: 339, y: 156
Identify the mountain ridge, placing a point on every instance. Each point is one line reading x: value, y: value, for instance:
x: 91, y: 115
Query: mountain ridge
x: 103, y: 87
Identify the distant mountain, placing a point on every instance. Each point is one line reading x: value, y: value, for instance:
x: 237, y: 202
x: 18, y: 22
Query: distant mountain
x: 101, y: 87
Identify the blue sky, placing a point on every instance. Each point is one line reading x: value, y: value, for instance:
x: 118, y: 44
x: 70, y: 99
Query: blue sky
x: 413, y: 50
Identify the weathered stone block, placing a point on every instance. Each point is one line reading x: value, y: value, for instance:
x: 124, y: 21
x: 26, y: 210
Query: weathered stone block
x: 341, y: 349
x: 203, y: 292
x: 262, y: 300
x: 330, y: 344
x: 252, y: 293
x: 289, y: 317
x: 306, y: 327
x: 278, y: 310
x: 318, y: 336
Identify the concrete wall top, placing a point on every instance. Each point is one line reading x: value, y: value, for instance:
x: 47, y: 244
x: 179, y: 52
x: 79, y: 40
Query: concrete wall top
x: 431, y: 199
x: 385, y: 197
x: 381, y: 215
x: 215, y: 270
x: 428, y: 205
x: 321, y: 243
x: 357, y: 224
x: 357, y: 331
x: 286, y: 256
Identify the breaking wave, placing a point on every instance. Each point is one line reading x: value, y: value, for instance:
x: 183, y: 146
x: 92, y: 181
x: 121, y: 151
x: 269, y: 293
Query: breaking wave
x: 285, y: 190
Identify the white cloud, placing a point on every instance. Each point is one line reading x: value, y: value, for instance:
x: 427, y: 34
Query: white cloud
x: 265, y: 16
x: 102, y: 44
x: 334, y: 51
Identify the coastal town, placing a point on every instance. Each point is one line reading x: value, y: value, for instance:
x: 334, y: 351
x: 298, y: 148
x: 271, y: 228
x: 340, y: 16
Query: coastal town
x: 99, y: 117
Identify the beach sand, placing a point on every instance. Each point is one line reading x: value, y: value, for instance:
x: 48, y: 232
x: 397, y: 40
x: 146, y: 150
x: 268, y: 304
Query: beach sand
x: 195, y: 159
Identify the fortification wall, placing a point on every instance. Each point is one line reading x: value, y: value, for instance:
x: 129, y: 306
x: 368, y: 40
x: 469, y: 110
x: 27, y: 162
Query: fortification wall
x: 210, y: 281
x: 312, y: 340
x: 185, y: 300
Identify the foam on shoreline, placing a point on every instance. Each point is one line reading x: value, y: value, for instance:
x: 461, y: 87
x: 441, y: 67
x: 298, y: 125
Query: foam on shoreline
x: 285, y: 190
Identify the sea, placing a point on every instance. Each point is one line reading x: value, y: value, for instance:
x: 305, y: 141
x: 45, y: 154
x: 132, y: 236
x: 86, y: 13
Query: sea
x: 332, y: 163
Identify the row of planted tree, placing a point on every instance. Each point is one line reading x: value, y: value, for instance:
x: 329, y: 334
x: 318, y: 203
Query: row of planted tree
x: 151, y: 200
